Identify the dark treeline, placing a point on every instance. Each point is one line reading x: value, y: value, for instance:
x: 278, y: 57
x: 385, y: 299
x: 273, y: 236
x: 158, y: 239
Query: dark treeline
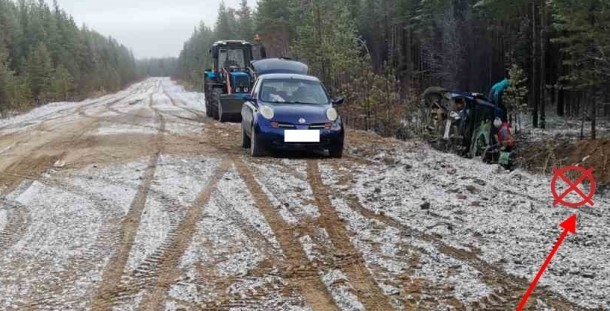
x: 45, y: 56
x: 158, y: 67
x: 383, y: 53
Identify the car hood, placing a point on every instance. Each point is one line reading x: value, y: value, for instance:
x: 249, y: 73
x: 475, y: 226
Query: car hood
x: 292, y: 113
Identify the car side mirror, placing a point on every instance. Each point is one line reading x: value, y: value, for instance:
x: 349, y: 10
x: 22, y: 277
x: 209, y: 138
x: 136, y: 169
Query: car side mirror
x: 338, y: 101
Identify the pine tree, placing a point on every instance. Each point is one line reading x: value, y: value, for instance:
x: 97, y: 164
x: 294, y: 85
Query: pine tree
x: 226, y: 24
x: 245, y: 21
x: 38, y: 71
x: 62, y: 84
x: 516, y: 94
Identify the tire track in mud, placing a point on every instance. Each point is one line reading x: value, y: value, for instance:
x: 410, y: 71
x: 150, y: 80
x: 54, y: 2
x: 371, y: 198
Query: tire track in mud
x: 170, y: 259
x: 36, y: 159
x: 360, y: 277
x: 227, y: 300
x: 299, y: 272
x: 507, y: 289
x: 113, y: 272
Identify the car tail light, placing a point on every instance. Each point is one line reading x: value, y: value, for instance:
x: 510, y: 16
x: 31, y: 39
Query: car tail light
x: 275, y: 125
x: 328, y: 125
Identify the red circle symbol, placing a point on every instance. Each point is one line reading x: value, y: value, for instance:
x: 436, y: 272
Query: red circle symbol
x: 573, y: 186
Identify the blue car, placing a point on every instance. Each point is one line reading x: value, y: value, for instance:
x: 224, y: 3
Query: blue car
x: 291, y: 111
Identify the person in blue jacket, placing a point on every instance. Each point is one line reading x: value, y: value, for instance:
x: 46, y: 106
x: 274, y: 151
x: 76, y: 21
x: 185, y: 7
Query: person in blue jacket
x: 496, y: 93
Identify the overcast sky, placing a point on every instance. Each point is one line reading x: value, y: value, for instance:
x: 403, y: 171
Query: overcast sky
x: 151, y: 28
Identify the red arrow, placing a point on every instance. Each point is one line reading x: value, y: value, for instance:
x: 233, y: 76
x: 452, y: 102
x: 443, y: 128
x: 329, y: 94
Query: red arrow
x: 568, y: 225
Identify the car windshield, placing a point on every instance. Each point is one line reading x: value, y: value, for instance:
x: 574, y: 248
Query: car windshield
x: 228, y: 58
x: 293, y: 91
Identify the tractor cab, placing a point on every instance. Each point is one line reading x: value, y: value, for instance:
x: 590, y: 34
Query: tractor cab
x: 231, y: 54
x: 231, y: 59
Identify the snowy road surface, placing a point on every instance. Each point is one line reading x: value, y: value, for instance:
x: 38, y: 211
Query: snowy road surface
x: 136, y: 201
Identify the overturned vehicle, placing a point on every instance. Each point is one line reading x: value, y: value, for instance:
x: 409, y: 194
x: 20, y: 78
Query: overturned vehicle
x: 462, y: 123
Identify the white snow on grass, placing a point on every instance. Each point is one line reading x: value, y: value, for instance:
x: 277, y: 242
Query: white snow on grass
x: 384, y: 247
x: 508, y: 216
x: 61, y: 235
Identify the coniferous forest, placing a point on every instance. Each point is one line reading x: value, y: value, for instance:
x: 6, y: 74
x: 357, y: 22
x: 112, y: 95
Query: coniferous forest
x: 45, y: 56
x: 382, y: 54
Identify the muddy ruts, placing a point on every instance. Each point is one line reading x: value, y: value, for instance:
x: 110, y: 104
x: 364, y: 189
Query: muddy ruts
x: 114, y: 270
x: 300, y: 273
x: 154, y: 299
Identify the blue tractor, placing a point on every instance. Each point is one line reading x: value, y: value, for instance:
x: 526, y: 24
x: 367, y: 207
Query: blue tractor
x: 225, y: 84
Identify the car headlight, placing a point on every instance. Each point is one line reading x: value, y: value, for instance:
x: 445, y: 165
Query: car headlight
x: 267, y: 112
x: 332, y: 114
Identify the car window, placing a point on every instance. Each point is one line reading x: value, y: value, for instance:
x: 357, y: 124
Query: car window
x: 293, y: 91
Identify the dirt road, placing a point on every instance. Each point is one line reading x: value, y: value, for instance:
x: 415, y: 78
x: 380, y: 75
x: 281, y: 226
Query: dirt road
x: 136, y: 201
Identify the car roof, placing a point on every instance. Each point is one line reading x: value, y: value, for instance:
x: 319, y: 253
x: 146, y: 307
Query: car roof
x: 273, y: 76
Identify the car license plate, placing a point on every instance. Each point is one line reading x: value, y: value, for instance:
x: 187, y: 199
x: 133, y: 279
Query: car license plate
x: 302, y: 136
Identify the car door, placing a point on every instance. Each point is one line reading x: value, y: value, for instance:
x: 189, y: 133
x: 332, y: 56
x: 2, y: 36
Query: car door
x: 249, y: 109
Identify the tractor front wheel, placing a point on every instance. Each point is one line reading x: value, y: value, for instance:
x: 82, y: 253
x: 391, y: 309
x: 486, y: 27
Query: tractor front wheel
x: 215, y: 102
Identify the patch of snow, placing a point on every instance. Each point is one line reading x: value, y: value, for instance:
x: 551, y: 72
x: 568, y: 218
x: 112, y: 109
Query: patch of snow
x: 335, y: 281
x: 185, y: 128
x: 177, y: 182
x: 342, y: 293
x: 131, y: 305
x: 116, y: 184
x: 394, y: 251
x: 3, y: 217
x: 63, y: 229
x: 507, y: 216
x: 234, y: 190
x: 284, y: 212
x: 116, y: 129
x: 293, y: 192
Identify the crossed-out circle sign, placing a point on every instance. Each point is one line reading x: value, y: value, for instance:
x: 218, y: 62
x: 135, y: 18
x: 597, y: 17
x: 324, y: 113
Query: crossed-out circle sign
x: 573, y: 186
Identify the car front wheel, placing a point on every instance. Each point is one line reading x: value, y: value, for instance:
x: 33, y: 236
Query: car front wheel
x: 245, y: 140
x: 256, y: 150
x: 336, y: 152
